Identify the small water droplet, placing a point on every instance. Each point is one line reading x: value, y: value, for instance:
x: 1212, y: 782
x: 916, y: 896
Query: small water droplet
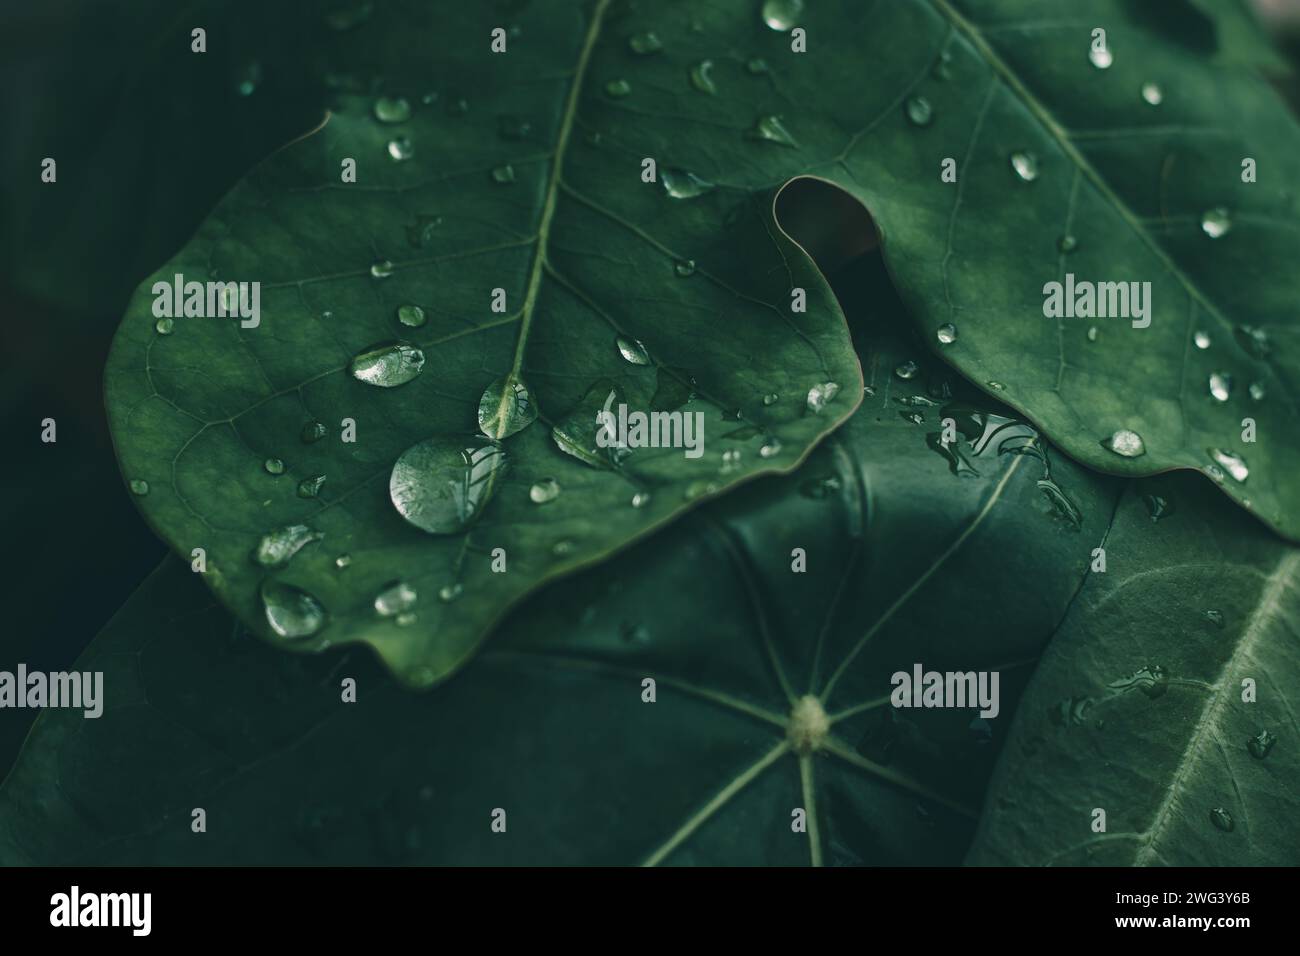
x: 782, y: 15
x: 548, y: 489
x: 907, y: 371
x: 442, y: 484
x: 644, y: 44
x: 392, y: 109
x: 684, y: 268
x: 343, y: 561
x: 1152, y: 93
x: 770, y: 129
x: 770, y: 448
x: 1093, y: 333
x: 1216, y: 222
x: 1025, y: 166
x: 1158, y: 506
x: 1222, y: 819
x: 449, y: 592
x: 771, y: 398
x: 697, y: 489
x: 1261, y: 744
x: 946, y: 334
x: 919, y: 111
x: 562, y: 547
x: 164, y: 326
x: 1214, y: 617
x: 396, y: 597
x: 1233, y: 464
x: 1150, y: 680
x: 411, y: 316
x: 820, y: 394
x: 503, y: 174
x: 513, y: 128
x: 1257, y: 391
x: 292, y: 612
x: 702, y: 77
x: 505, y: 409
x: 1125, y: 443
x: 916, y: 418
x: 632, y: 350
x: 756, y: 65
x: 139, y: 486
x: 818, y: 488
x: 273, y: 466
x: 249, y: 78
x: 401, y: 149
x: 1101, y: 59
x: 617, y: 89
x: 310, y: 487
x: 1220, y: 386
x: 997, y: 386
x: 387, y: 365
x: 312, y: 432
x: 277, y: 548
x: 1254, y: 340
x: 381, y: 269
x: 640, y: 499
x: 1202, y: 340
x: 1067, y: 244
x: 681, y: 184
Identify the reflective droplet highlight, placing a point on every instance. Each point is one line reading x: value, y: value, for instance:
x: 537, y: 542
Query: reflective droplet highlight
x: 1125, y: 443
x: 273, y: 466
x: 632, y: 350
x: 782, y: 15
x: 820, y: 394
x: 388, y: 365
x: 396, y: 597
x: 139, y: 486
x: 770, y: 129
x: 643, y: 44
x: 442, y: 484
x: 1025, y: 166
x: 1233, y: 464
x: 702, y: 77
x: 617, y: 89
x: 1220, y: 386
x: 277, y: 548
x: 946, y: 334
x: 548, y: 489
x: 919, y: 111
x: 392, y: 109
x: 400, y: 149
x: 1201, y: 340
x: 164, y: 325
x: 312, y: 432
x: 1216, y: 222
x: 1261, y: 744
x: 310, y: 487
x: 907, y: 371
x: 681, y: 184
x: 411, y: 316
x: 291, y: 612
x: 1101, y: 59
x: 505, y: 409
x: 1222, y: 819
x: 1152, y: 94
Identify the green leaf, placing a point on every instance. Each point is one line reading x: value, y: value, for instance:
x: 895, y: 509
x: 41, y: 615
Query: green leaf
x: 519, y: 179
x: 906, y: 562
x: 1137, y: 707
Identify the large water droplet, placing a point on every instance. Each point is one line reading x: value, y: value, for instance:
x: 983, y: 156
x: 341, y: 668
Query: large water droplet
x: 632, y: 350
x: 396, y: 597
x: 401, y: 149
x: 702, y: 77
x: 292, y: 612
x: 946, y: 334
x: 277, y: 548
x: 919, y: 111
x: 506, y: 408
x: 387, y: 365
x: 548, y: 489
x: 1233, y: 464
x: 1261, y: 744
x: 1222, y: 819
x: 820, y: 394
x: 1025, y: 166
x: 681, y: 184
x: 643, y: 44
x: 442, y: 484
x: 1125, y: 443
x: 392, y: 109
x: 1220, y: 386
x: 1216, y: 222
x: 782, y: 15
x: 640, y: 499
x: 411, y: 316
x: 770, y: 129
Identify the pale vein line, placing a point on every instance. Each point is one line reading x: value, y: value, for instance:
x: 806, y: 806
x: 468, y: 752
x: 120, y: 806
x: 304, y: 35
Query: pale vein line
x: 840, y: 749
x: 743, y: 780
x: 916, y: 585
x: 1264, y: 614
x: 806, y: 782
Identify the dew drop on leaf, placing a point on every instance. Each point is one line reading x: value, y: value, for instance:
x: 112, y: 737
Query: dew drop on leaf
x: 907, y: 371
x: 506, y: 409
x: 381, y: 269
x: 387, y: 365
x: 644, y: 44
x: 449, y: 592
x: 164, y: 326
x: 820, y: 394
x: 681, y: 184
x: 1257, y: 391
x: 1152, y: 94
x: 1261, y: 744
x: 770, y: 129
x: 756, y: 65
x: 617, y: 89
x: 411, y: 316
x: 771, y: 398
x: 782, y: 15
x: 396, y: 597
x: 1220, y: 386
x: 632, y: 350
x: 139, y: 486
x: 1093, y: 333
x: 392, y: 109
x: 1125, y: 443
x: 1202, y: 340
x: 312, y: 432
x: 770, y: 448
x: 1222, y: 819
x: 919, y: 111
x: 1233, y: 464
x: 1214, y: 617
x: 640, y: 499
x: 1025, y: 166
x: 503, y: 174
x: 548, y: 489
x: 310, y: 487
x: 702, y: 77
x: 946, y: 334
x: 277, y: 548
x: 292, y: 612
x: 1067, y: 244
x: 684, y: 268
x: 343, y: 561
x: 1216, y: 222
x: 1101, y: 59
x: 442, y: 484
x: 273, y: 466
x: 400, y: 149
